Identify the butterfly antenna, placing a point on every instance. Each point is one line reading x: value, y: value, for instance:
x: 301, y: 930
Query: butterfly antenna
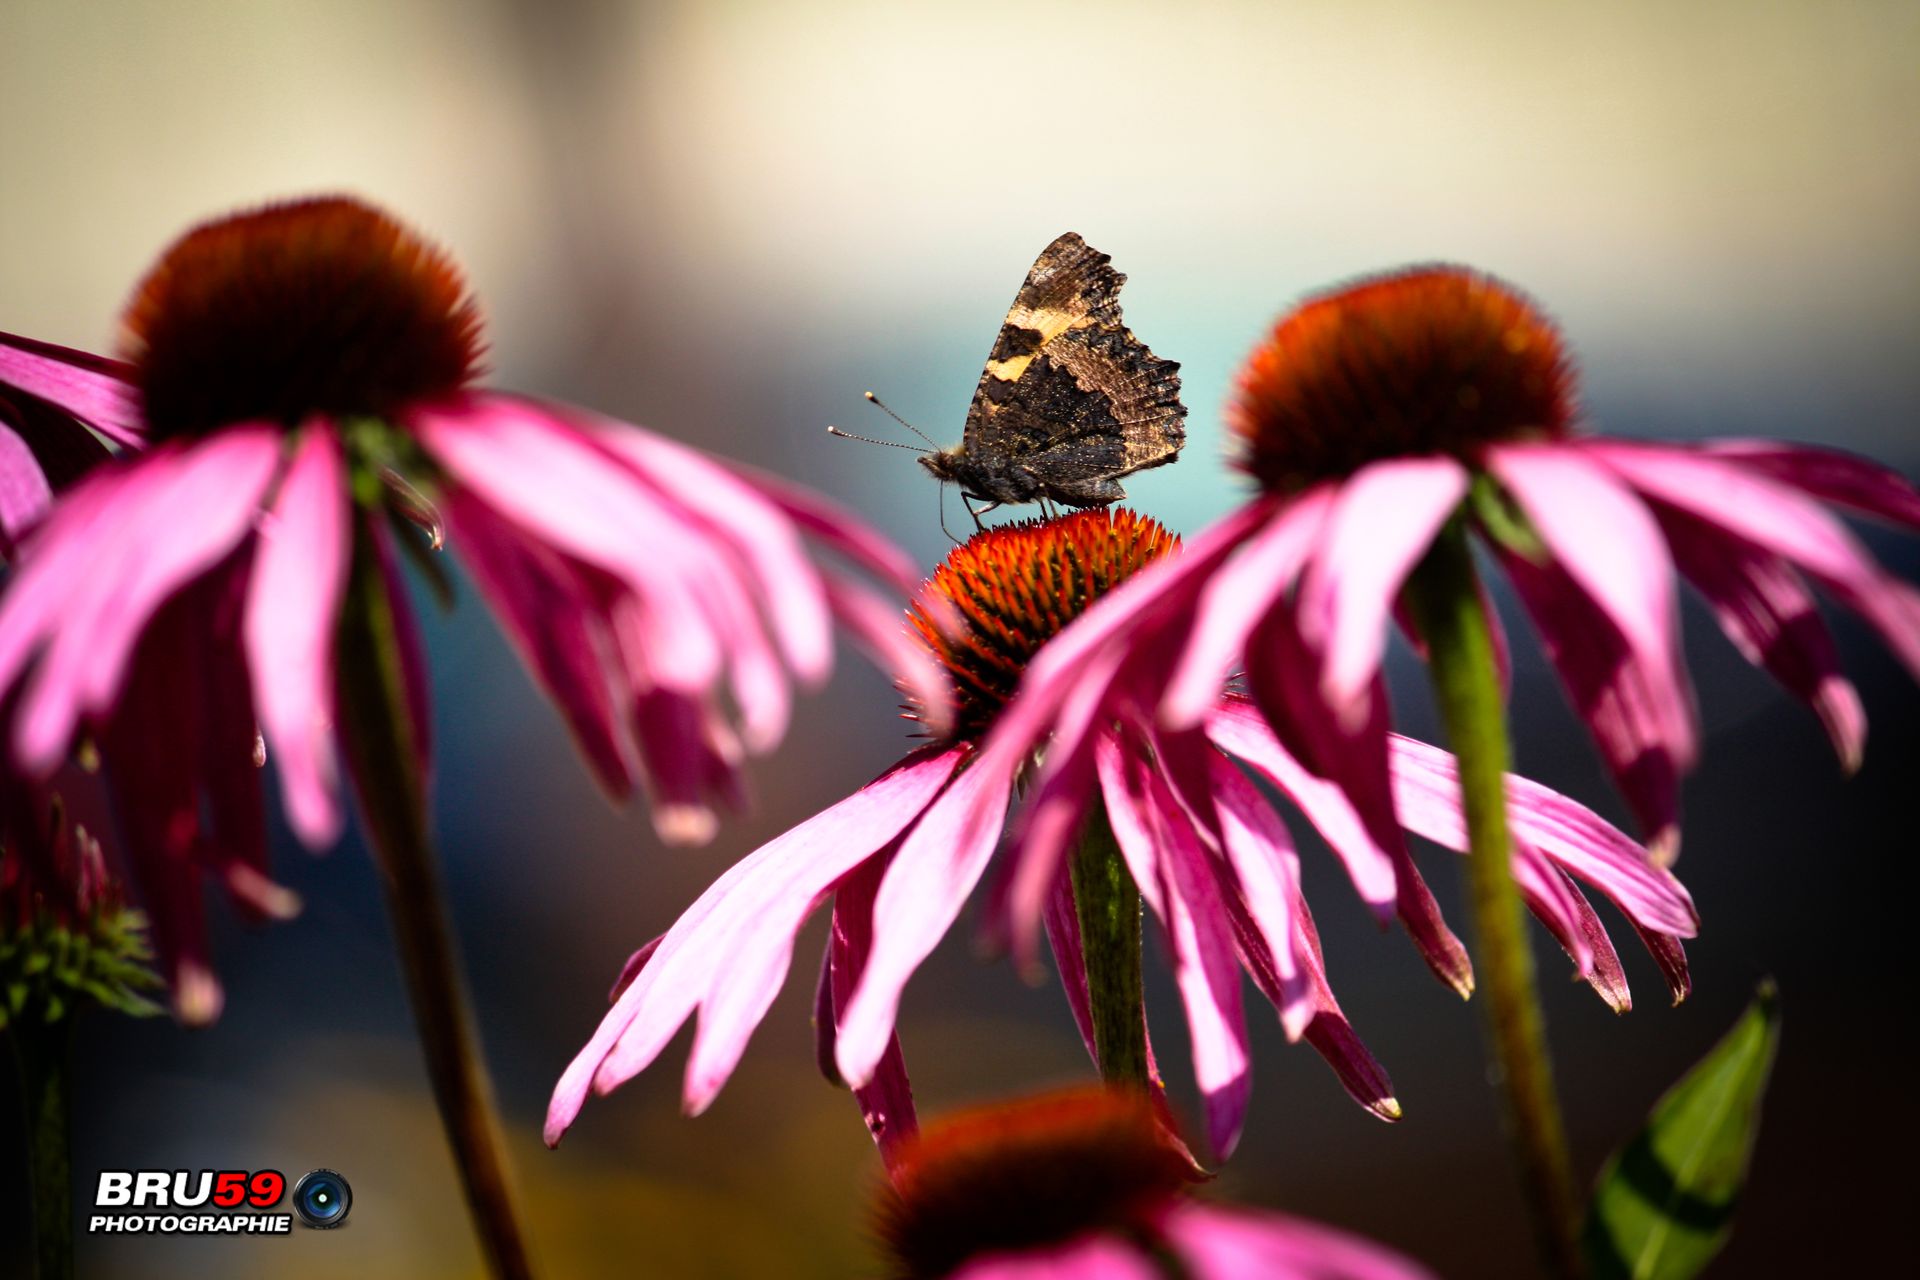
x: 876, y: 402
x: 891, y: 444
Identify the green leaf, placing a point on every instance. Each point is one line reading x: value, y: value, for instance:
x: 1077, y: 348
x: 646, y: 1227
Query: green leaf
x: 1664, y: 1204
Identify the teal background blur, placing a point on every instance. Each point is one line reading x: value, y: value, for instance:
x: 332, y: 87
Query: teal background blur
x: 725, y: 221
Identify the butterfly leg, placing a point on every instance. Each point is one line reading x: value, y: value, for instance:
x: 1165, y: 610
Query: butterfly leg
x: 966, y: 500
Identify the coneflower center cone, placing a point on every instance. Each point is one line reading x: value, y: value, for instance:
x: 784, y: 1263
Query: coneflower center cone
x: 318, y: 306
x: 1025, y: 1175
x: 1430, y: 360
x: 1015, y: 586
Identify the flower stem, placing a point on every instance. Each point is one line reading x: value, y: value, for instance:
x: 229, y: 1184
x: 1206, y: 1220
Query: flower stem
x: 1444, y: 595
x: 44, y: 1051
x: 380, y: 734
x: 1108, y: 905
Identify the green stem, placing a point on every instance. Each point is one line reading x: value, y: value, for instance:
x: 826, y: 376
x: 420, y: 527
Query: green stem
x: 45, y: 1054
x: 1108, y: 905
x: 380, y: 734
x: 1444, y: 595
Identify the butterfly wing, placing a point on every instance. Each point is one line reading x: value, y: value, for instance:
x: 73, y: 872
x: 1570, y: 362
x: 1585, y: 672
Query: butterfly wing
x: 1070, y: 400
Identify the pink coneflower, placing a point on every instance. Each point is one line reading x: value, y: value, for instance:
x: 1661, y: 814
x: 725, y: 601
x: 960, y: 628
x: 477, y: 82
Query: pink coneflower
x: 1212, y: 861
x: 49, y: 398
x: 304, y: 379
x: 1374, y: 415
x: 1084, y: 1185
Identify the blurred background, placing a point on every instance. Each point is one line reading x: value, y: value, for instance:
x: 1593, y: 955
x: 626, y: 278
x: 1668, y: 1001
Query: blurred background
x: 725, y: 220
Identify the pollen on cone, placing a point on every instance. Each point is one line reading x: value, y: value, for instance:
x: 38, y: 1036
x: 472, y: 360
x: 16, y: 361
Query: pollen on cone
x: 1013, y: 587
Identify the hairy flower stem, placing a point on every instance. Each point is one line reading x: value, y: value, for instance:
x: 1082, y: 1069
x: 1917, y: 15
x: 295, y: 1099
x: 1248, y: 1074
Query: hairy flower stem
x: 1108, y: 905
x: 1445, y: 598
x: 380, y: 733
x: 44, y: 1052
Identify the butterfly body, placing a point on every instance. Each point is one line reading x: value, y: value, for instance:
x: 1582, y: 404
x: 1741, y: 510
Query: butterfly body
x: 1070, y: 401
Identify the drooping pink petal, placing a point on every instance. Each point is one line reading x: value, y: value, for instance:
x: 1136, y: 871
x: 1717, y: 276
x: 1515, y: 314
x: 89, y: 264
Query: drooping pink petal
x: 555, y: 628
x: 93, y: 389
x: 559, y: 485
x: 761, y: 901
x: 689, y: 762
x: 1218, y: 1243
x: 24, y: 491
x: 837, y: 528
x: 926, y: 886
x: 1604, y: 973
x: 170, y: 522
x: 1610, y: 691
x: 1235, y: 599
x: 1609, y: 543
x: 1362, y: 837
x: 1775, y: 518
x: 1579, y: 841
x: 1551, y: 898
x: 1168, y: 863
x: 1764, y: 607
x: 1267, y: 872
x: 155, y: 783
x: 1831, y: 475
x: 1092, y: 1257
x: 1671, y: 956
x: 759, y: 531
x: 886, y: 1101
x: 299, y: 572
x: 1237, y: 727
x: 1056, y: 803
x: 1381, y: 524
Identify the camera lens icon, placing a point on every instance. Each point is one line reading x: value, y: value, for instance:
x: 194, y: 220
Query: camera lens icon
x: 322, y: 1199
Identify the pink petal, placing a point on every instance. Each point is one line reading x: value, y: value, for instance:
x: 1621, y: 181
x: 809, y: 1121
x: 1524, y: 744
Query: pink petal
x: 558, y: 485
x: 838, y: 528
x: 886, y: 1101
x: 1267, y: 872
x: 1609, y: 543
x: 1093, y: 1257
x: 1828, y: 474
x: 24, y: 492
x: 933, y: 873
x: 1219, y: 1243
x: 756, y: 526
x: 1579, y: 841
x: 1775, y: 518
x: 1610, y: 691
x: 1381, y: 524
x: 93, y: 389
x: 689, y: 759
x: 1237, y: 728
x: 770, y: 891
x: 1235, y: 599
x: 173, y: 517
x: 554, y: 627
x: 1330, y: 1034
x: 1168, y: 863
x: 1764, y: 606
x: 1581, y: 933
x: 299, y: 572
x: 1672, y: 959
x: 1056, y: 803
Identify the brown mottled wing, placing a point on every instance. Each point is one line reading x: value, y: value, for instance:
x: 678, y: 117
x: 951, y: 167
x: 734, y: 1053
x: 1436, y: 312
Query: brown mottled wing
x: 1070, y: 400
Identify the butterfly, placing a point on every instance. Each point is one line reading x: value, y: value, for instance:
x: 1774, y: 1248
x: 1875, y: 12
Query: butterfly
x: 1070, y: 400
